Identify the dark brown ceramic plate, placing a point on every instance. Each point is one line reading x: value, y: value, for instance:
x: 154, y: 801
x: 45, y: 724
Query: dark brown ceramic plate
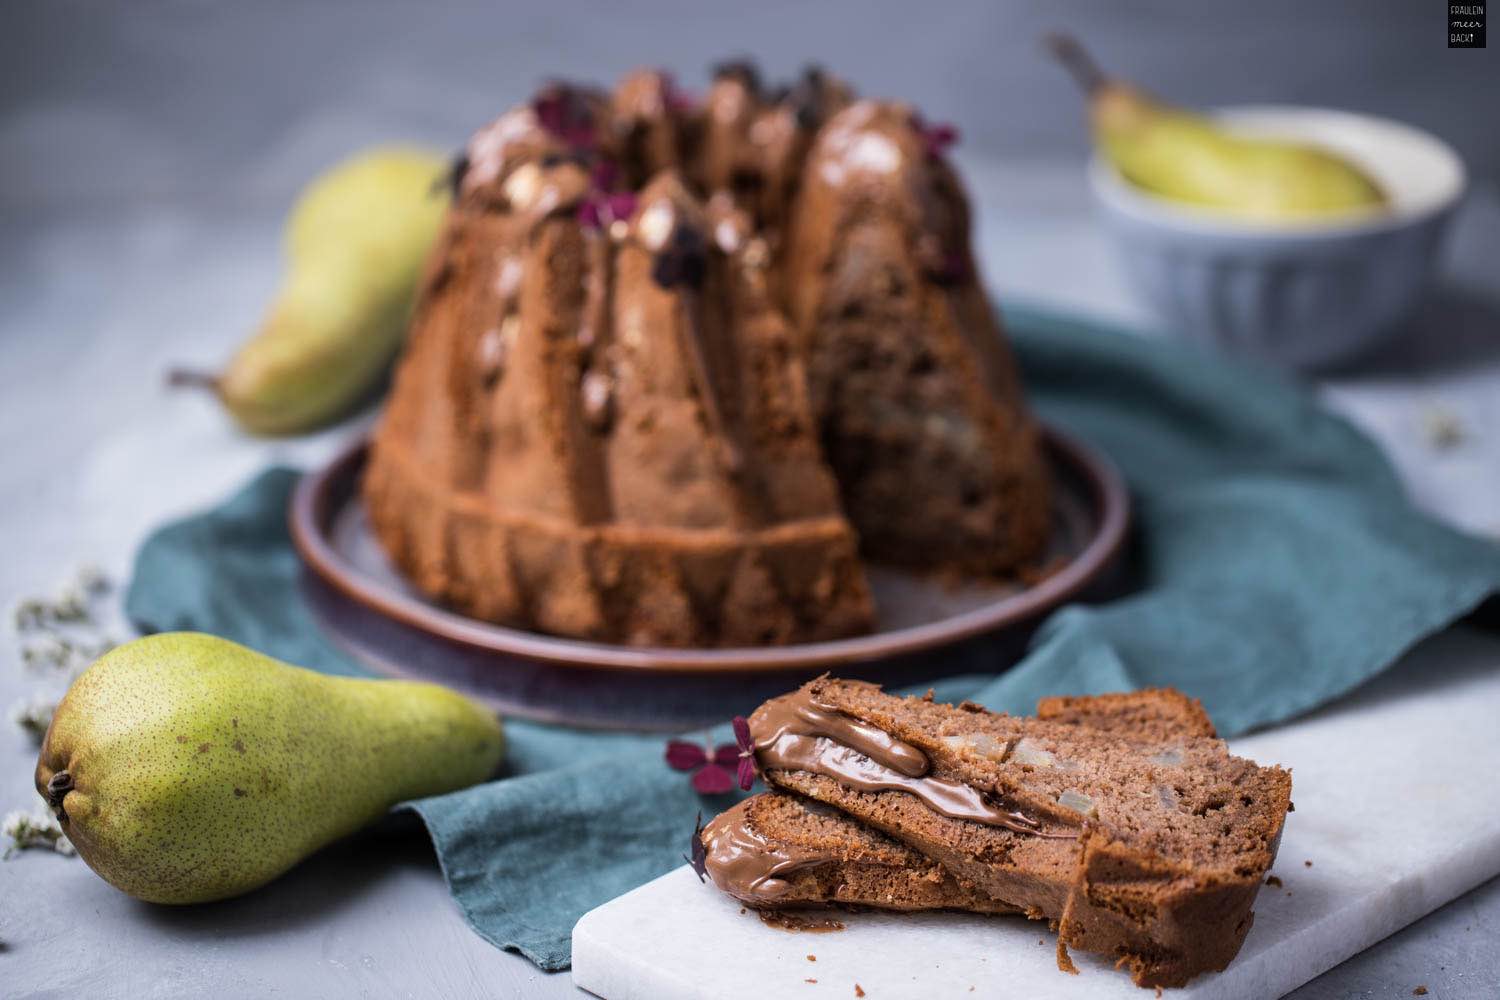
x: 927, y: 629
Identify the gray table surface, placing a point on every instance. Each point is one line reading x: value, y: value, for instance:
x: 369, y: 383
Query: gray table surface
x: 144, y: 178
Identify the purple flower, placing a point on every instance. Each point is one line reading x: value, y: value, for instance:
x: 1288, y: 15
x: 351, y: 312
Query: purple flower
x: 728, y: 764
x: 675, y: 98
x: 937, y: 136
x: 599, y: 210
x: 746, y: 769
x: 711, y: 774
x: 564, y: 111
x: 589, y: 216
x: 604, y: 175
x: 621, y: 205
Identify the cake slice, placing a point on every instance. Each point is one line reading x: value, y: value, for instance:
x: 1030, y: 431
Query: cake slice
x: 1151, y: 715
x: 779, y: 849
x: 1143, y: 846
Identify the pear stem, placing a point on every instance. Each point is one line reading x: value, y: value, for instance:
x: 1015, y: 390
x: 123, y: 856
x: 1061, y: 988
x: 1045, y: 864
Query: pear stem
x: 180, y: 378
x: 1076, y: 60
x: 58, y: 787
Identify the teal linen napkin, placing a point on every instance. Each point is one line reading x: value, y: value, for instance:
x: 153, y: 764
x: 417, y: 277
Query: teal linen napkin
x: 1276, y: 565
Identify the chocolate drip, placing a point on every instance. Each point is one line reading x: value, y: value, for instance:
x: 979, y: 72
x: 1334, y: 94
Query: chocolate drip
x: 795, y: 733
x: 852, y: 769
x: 747, y: 866
x: 798, y: 714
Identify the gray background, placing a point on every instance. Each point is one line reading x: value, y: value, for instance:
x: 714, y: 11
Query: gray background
x: 219, y: 86
x: 149, y: 150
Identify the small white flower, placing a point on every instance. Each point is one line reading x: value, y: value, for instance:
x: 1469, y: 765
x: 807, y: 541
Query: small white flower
x: 34, y: 829
x: 15, y: 822
x: 72, y: 605
x: 28, y: 614
x: 47, y: 651
x: 92, y: 580
x: 33, y: 714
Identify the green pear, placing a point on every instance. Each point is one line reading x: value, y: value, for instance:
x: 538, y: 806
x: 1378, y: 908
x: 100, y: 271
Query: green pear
x: 356, y: 243
x: 186, y: 768
x: 1187, y: 157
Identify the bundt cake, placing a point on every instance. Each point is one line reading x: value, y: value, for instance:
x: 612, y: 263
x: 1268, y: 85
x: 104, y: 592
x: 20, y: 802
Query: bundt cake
x: 646, y: 400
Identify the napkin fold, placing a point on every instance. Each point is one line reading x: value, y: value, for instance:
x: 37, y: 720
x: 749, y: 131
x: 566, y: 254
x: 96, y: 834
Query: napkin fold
x: 1276, y: 564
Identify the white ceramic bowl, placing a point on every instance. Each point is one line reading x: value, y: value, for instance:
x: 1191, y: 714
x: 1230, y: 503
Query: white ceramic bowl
x: 1302, y: 295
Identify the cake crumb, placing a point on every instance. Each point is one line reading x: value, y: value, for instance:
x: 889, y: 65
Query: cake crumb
x: 859, y: 990
x: 1272, y: 880
x: 1420, y: 991
x: 1307, y: 864
x: 1064, y: 960
x: 809, y: 980
x: 812, y: 958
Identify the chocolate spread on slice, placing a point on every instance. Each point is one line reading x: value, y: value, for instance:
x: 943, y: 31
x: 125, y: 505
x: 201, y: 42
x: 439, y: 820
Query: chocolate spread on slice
x: 795, y: 733
x: 747, y: 866
x: 798, y: 715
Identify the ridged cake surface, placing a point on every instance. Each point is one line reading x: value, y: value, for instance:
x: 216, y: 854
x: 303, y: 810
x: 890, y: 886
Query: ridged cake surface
x: 617, y: 417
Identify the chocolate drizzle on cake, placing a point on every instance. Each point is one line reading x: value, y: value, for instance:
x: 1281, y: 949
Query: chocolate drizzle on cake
x: 796, y: 733
x: 748, y: 866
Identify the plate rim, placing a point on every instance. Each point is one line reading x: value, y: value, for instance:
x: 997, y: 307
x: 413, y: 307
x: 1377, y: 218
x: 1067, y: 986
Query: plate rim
x: 1109, y: 495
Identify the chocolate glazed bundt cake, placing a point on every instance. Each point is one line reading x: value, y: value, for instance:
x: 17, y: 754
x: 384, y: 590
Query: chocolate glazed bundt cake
x: 604, y: 424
